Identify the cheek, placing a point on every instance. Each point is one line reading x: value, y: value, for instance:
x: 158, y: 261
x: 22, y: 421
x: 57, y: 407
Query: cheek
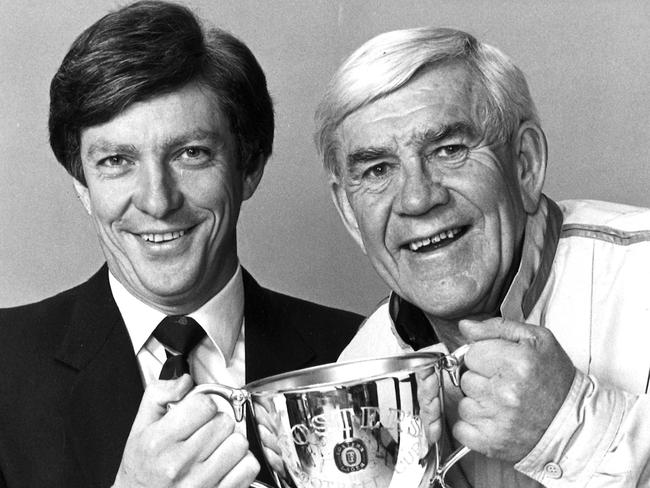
x: 214, y: 190
x: 373, y: 220
x: 107, y: 206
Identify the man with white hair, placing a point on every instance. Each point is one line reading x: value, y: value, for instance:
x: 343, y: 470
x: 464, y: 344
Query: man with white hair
x: 437, y: 162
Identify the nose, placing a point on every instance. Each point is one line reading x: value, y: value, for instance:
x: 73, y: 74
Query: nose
x: 421, y: 190
x: 157, y: 193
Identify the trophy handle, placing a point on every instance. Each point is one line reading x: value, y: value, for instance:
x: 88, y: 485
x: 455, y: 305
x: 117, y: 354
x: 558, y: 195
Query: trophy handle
x: 452, y: 363
x: 237, y: 397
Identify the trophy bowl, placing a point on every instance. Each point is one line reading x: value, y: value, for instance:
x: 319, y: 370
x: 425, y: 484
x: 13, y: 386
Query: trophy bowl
x: 347, y: 425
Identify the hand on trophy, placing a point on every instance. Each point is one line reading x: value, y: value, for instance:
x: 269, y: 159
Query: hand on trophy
x: 192, y: 444
x: 428, y: 384
x: 518, y: 377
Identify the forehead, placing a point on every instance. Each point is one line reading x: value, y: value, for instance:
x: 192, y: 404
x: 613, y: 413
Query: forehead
x: 436, y: 99
x: 162, y: 118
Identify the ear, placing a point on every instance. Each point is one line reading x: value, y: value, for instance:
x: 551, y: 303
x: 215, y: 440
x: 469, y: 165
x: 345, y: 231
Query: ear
x: 83, y: 194
x: 346, y: 213
x: 530, y: 160
x: 252, y: 176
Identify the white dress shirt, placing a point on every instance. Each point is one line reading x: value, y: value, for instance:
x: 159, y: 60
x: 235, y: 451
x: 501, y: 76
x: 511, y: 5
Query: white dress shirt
x: 220, y: 355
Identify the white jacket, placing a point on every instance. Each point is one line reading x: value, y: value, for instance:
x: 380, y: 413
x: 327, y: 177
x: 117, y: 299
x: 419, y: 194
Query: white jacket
x: 585, y: 275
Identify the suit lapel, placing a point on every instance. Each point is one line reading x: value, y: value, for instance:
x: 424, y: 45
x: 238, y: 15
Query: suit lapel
x: 107, y: 393
x: 274, y: 344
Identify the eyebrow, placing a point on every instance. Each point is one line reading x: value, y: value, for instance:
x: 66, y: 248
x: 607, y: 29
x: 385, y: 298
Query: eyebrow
x: 429, y: 136
x: 366, y: 154
x: 197, y: 134
x: 106, y: 146
x: 439, y: 133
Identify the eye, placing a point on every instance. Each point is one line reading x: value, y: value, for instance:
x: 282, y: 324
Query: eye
x: 193, y: 152
x: 115, y: 161
x: 194, y: 155
x: 377, y: 171
x: 451, y: 151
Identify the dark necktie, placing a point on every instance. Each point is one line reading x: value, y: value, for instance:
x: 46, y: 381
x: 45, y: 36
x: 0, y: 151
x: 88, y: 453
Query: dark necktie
x: 179, y: 335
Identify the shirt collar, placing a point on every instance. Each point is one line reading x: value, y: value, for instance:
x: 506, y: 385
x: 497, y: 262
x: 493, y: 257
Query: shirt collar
x: 540, y: 242
x: 221, y: 317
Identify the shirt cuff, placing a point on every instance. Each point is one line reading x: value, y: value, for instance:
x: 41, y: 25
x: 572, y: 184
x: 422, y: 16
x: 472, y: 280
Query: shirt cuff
x: 574, y: 445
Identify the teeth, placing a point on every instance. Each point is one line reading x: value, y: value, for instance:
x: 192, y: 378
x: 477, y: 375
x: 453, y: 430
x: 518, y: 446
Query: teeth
x: 448, y: 234
x: 167, y: 236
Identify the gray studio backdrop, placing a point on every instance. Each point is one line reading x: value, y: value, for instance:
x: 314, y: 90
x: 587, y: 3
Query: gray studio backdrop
x: 586, y: 61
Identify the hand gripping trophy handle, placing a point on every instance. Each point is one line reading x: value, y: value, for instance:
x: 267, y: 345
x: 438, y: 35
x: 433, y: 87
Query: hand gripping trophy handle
x: 434, y: 477
x: 238, y: 399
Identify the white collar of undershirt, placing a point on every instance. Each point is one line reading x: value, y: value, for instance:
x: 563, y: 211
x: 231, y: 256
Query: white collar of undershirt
x: 221, y: 317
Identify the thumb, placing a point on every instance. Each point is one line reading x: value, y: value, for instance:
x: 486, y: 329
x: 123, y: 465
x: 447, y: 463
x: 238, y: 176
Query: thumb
x: 157, y: 396
x: 496, y: 328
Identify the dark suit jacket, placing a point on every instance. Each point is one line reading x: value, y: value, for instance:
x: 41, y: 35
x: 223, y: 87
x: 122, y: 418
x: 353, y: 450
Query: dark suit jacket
x: 70, y: 385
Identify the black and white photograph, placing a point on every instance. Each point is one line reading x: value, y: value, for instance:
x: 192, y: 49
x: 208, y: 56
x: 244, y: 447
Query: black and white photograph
x: 325, y: 244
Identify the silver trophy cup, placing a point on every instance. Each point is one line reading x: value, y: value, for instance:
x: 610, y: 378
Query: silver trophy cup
x: 347, y: 425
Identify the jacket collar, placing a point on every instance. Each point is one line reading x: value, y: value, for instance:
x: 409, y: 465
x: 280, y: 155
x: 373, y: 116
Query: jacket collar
x: 540, y: 243
x: 108, y: 388
x: 274, y: 343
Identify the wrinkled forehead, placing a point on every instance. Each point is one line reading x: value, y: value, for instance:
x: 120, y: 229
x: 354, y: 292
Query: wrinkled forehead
x: 438, y: 100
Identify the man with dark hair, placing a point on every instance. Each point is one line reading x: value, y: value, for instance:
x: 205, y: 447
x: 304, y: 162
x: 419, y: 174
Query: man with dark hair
x: 165, y: 128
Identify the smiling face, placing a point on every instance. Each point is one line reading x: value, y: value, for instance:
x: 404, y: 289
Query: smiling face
x: 439, y: 210
x: 164, y: 189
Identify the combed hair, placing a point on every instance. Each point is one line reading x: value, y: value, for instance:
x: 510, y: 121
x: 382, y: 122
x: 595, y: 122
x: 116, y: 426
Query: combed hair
x: 148, y: 49
x: 389, y: 61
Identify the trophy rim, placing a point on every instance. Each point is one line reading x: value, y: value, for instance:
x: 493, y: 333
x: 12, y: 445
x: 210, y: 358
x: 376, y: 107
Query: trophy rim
x: 349, y: 373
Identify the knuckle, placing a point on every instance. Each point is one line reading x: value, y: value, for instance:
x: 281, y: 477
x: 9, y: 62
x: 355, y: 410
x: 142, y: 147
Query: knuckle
x: 152, y: 444
x: 500, y: 321
x: 239, y: 442
x: 205, y: 405
x: 524, y: 369
x: 509, y: 397
x: 252, y: 462
x: 224, y: 423
x: 543, y: 334
x: 171, y: 471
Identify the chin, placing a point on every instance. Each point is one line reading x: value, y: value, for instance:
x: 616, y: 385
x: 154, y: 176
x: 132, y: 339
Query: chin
x: 169, y: 286
x: 448, y: 304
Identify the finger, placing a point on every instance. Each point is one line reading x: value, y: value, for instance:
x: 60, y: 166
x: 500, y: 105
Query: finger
x: 264, y: 418
x: 490, y: 357
x: 157, y: 396
x: 243, y: 474
x: 497, y: 328
x: 268, y: 439
x: 428, y: 386
x: 431, y: 417
x: 474, y: 412
x: 469, y: 435
x: 188, y: 416
x: 475, y: 385
x: 202, y: 443
x: 271, y: 447
x: 223, y: 460
x: 425, y: 373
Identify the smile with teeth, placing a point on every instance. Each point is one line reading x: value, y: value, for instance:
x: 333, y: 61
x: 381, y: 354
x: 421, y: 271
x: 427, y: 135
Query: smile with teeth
x: 166, y: 237
x: 436, y: 239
